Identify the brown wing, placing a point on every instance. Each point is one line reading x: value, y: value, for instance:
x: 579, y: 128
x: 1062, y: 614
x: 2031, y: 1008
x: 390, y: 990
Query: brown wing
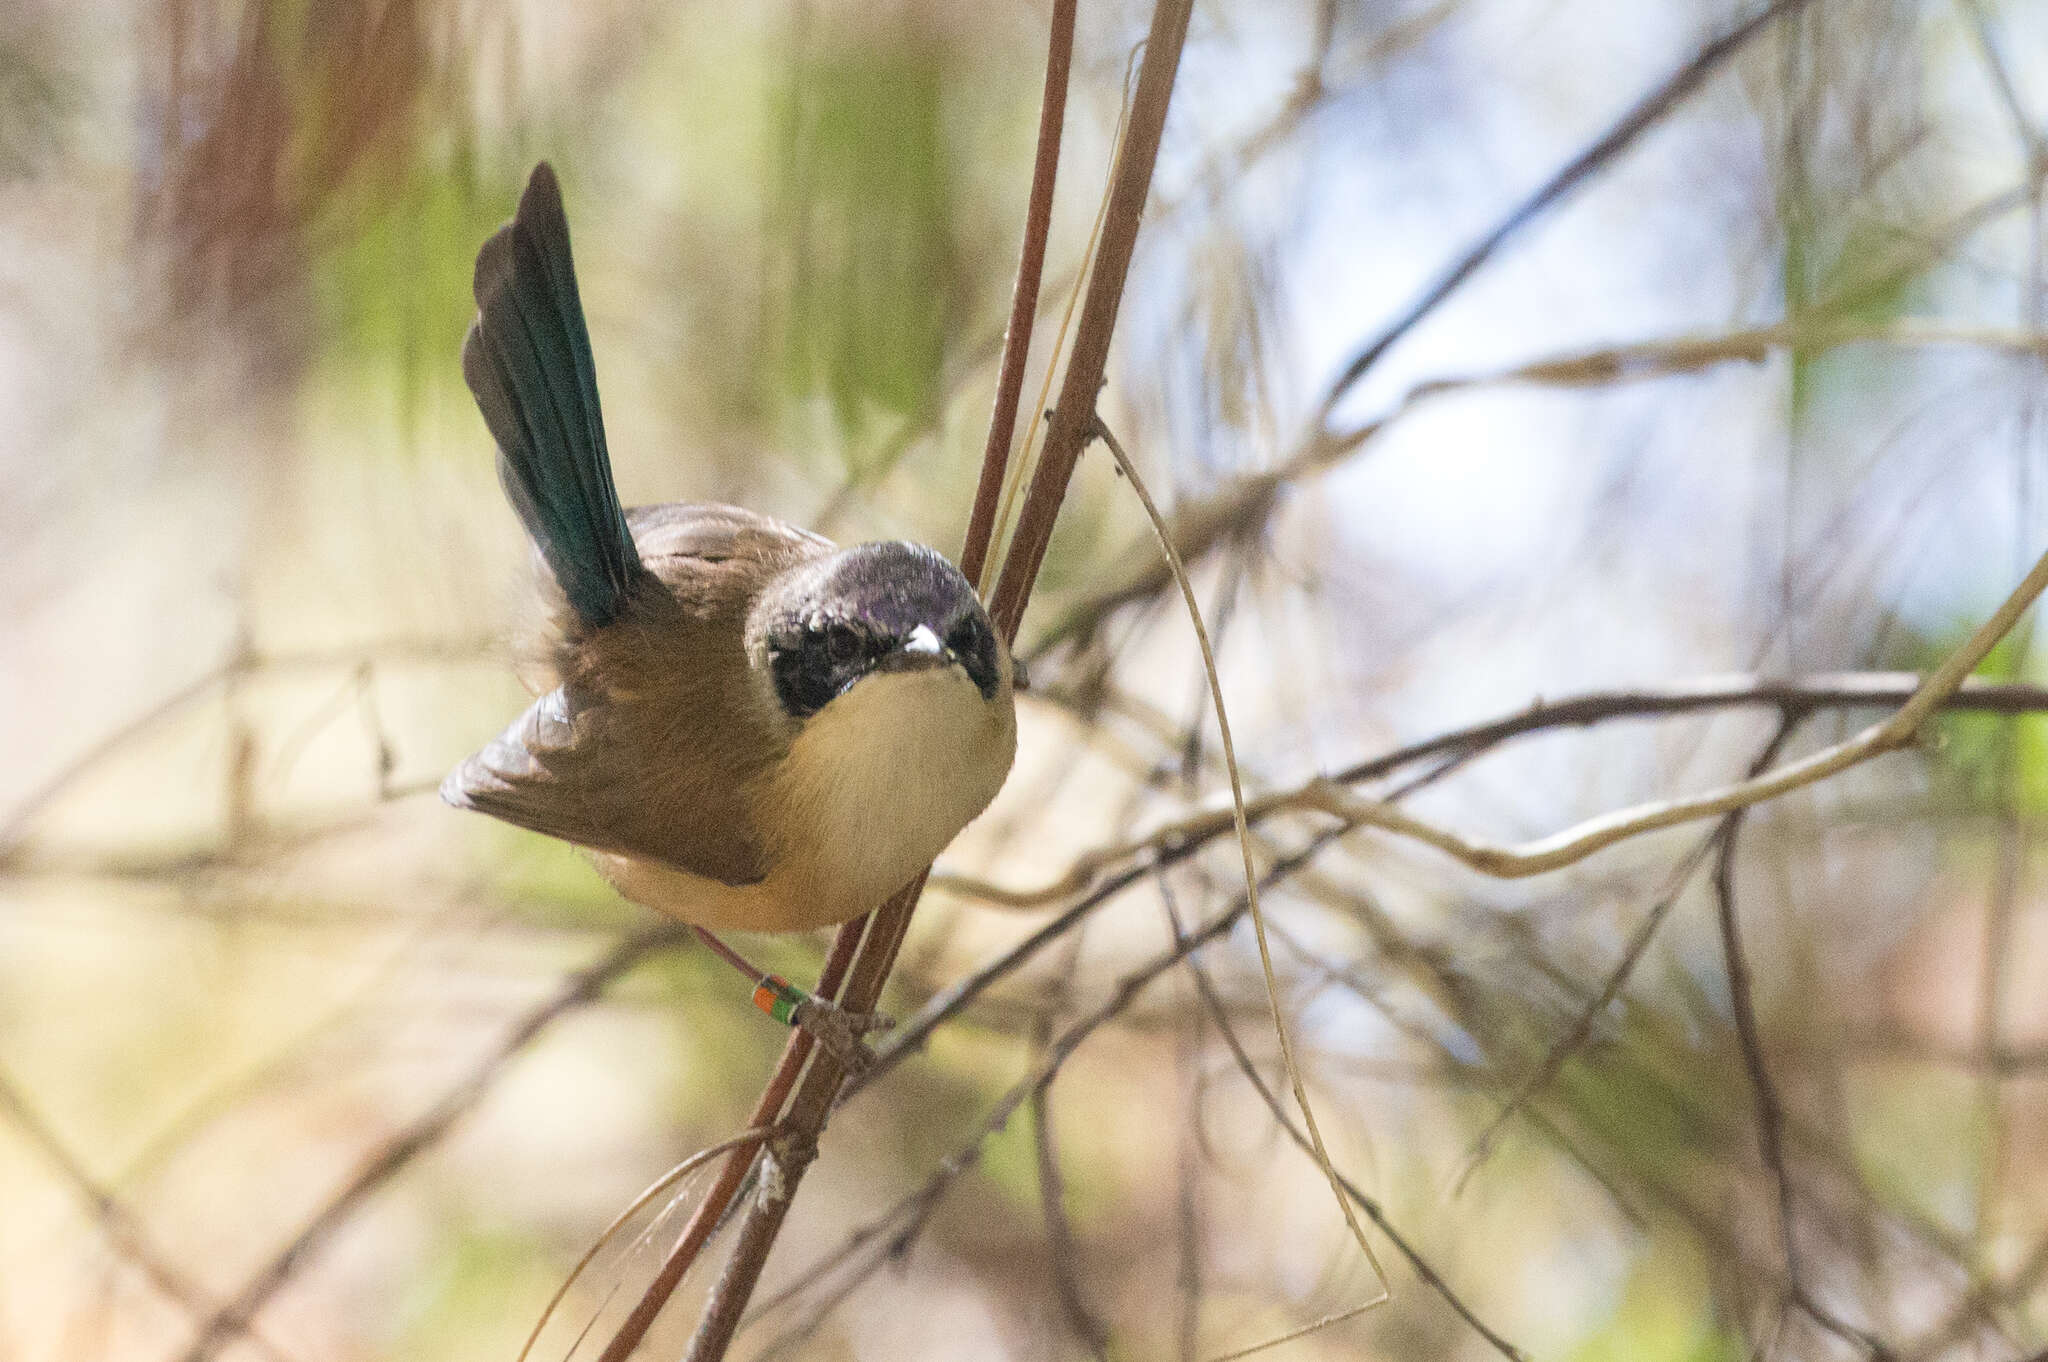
x: 653, y: 743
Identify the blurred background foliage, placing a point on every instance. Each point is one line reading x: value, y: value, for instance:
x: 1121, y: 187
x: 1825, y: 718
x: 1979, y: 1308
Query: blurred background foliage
x: 257, y: 582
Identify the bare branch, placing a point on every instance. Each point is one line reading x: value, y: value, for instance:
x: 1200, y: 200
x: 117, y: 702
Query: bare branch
x: 1237, y: 508
x: 121, y: 1225
x: 1645, y: 114
x: 710, y: 1212
x: 1770, y: 1109
x: 1072, y: 424
x: 995, y: 458
x: 1790, y: 697
x: 914, y: 1209
x: 1617, y: 978
x: 1373, y: 1211
x: 242, y: 663
x: 579, y: 990
x: 1073, y: 419
x: 1059, y: 1231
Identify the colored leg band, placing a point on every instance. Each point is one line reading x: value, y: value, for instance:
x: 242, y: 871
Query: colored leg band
x: 779, y: 998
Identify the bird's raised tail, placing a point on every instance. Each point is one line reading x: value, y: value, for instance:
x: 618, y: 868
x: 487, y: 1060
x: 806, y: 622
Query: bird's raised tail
x: 527, y: 358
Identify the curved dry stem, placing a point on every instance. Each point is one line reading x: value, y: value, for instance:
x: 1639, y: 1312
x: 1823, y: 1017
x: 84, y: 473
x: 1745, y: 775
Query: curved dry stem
x: 1574, y: 844
x: 1251, y: 889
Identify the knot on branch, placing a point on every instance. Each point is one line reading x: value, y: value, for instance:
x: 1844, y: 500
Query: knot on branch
x: 783, y: 1162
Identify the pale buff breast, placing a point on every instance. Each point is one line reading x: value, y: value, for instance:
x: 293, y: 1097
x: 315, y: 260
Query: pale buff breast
x: 874, y: 787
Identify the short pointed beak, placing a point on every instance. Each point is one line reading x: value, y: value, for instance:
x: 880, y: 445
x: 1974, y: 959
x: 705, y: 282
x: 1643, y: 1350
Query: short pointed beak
x: 920, y: 650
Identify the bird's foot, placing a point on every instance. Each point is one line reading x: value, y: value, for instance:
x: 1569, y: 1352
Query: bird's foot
x: 833, y: 1027
x: 840, y: 1031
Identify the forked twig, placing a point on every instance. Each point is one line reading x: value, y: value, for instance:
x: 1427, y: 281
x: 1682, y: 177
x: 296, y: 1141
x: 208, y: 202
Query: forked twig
x: 1639, y: 941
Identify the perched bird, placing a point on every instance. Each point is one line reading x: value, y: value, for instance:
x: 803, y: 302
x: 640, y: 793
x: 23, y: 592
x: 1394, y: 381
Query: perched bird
x: 746, y: 726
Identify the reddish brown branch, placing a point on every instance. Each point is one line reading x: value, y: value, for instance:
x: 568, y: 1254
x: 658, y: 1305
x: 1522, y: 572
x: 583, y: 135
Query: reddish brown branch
x: 790, y: 1154
x: 1002, y: 424
x: 893, y: 918
x: 711, y: 1211
x: 1073, y: 420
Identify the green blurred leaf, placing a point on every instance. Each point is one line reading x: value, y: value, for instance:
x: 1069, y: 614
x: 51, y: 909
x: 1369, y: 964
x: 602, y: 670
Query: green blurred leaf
x: 1971, y: 758
x: 863, y: 220
x: 34, y: 102
x: 1662, y: 1314
x: 474, y: 1274
x: 393, y: 288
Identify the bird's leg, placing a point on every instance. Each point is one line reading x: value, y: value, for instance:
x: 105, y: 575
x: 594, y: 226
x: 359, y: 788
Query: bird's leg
x: 832, y: 1026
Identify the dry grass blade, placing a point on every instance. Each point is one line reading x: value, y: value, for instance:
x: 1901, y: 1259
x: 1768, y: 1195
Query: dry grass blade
x: 745, y: 1139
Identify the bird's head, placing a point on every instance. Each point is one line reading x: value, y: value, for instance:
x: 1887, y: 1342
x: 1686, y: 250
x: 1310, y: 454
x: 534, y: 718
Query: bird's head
x: 872, y: 610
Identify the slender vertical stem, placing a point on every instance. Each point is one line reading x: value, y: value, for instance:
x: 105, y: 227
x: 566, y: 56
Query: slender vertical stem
x: 711, y: 1210
x: 789, y: 1156
x: 1770, y: 1106
x: 1002, y: 425
x: 1073, y: 420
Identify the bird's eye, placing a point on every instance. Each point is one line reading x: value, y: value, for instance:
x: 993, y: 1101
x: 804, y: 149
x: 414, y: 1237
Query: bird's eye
x: 966, y: 637
x: 842, y: 642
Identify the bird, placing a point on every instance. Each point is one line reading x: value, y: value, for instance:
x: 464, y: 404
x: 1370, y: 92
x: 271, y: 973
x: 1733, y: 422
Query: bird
x: 746, y: 726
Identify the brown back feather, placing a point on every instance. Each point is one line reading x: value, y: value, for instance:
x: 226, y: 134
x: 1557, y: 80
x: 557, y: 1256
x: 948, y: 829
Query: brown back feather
x: 654, y: 742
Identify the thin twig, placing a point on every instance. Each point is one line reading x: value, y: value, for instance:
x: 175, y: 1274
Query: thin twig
x: 952, y: 1000
x: 1242, y: 826
x: 1582, y: 840
x: 1799, y: 695
x: 1016, y: 343
x: 1981, y: 1299
x: 1073, y: 418
x: 746, y: 1139
x: 913, y: 1210
x: 1059, y: 1230
x: 1234, y: 510
x: 2033, y: 146
x: 1188, y: 1149
x: 242, y: 662
x: 916, y: 1207
x: 1645, y: 114
x: 995, y: 458
x: 1422, y: 1267
x: 1770, y: 1108
x: 1179, y: 840
x: 710, y: 1212
x: 1835, y: 691
x: 1617, y: 978
x: 124, y: 1230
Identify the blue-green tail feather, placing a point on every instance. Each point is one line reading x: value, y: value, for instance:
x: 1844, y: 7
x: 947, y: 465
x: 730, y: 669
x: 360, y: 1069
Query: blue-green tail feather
x: 527, y: 358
